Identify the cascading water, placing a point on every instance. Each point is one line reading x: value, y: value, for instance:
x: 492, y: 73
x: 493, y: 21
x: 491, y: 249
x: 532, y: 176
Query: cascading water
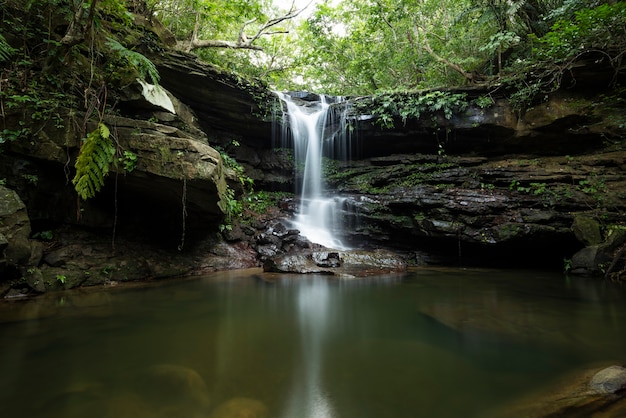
x: 313, y: 130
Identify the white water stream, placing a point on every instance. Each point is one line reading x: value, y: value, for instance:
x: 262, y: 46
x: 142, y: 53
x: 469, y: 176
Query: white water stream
x: 319, y: 217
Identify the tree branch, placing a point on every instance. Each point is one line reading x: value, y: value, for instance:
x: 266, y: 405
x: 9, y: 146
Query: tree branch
x: 76, y: 32
x: 243, y: 41
x: 216, y: 43
x: 420, y: 31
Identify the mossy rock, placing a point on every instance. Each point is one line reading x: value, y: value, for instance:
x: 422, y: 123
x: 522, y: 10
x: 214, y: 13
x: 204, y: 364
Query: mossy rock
x: 587, y: 230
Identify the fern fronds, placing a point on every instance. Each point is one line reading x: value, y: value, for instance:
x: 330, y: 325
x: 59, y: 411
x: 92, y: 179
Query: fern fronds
x: 93, y: 162
x: 137, y: 61
x: 5, y: 49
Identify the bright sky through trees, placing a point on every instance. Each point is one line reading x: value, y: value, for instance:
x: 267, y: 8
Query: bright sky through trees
x: 358, y: 47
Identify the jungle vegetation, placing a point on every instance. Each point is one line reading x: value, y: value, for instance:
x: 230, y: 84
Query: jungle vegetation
x: 80, y: 54
x: 361, y: 47
x: 345, y: 47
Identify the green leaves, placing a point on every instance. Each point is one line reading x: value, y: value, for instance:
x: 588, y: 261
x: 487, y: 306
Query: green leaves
x: 6, y: 51
x: 388, y: 106
x: 602, y: 27
x: 146, y: 68
x: 93, y: 162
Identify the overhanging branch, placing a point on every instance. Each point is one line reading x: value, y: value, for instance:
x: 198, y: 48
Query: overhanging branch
x: 244, y: 41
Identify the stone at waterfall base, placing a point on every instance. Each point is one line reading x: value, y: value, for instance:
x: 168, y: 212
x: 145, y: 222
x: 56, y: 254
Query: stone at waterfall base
x: 345, y: 264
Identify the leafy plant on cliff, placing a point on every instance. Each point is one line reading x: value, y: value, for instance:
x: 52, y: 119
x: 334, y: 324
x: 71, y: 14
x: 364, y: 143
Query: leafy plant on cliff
x: 93, y: 162
x: 387, y: 107
x: 597, y: 32
x: 146, y: 68
x: 232, y: 207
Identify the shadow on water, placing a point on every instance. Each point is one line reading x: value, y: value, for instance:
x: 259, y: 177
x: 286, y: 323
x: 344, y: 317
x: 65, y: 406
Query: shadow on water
x: 432, y: 343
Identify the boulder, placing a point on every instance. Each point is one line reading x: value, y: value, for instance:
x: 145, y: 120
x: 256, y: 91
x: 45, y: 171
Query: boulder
x: 17, y: 251
x: 602, y: 258
x: 609, y: 380
x: 587, y: 230
x: 587, y: 261
x: 344, y: 264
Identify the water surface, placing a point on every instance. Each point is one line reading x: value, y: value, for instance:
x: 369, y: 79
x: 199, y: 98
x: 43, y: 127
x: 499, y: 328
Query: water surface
x: 431, y: 343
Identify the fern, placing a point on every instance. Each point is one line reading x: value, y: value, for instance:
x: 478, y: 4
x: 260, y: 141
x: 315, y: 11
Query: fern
x: 5, y: 49
x: 93, y: 162
x: 137, y: 61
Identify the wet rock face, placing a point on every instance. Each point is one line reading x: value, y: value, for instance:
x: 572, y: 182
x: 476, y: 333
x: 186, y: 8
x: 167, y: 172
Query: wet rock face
x: 485, y: 210
x: 549, y: 128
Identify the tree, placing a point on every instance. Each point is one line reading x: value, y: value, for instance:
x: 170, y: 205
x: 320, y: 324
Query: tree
x: 79, y: 25
x: 243, y: 41
x: 250, y: 37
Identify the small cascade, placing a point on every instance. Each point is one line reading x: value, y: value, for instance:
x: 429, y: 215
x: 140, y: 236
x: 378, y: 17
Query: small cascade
x: 316, y: 130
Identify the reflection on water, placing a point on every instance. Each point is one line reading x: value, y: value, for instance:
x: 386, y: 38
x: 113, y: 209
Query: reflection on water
x: 308, y: 398
x: 433, y: 343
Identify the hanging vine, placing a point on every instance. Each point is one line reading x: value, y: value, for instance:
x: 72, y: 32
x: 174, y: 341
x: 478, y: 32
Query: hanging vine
x: 184, y: 202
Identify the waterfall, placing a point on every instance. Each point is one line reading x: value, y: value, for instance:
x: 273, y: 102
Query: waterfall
x: 316, y: 131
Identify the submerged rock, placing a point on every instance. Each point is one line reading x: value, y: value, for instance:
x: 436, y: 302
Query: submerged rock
x: 170, y: 383
x: 240, y: 408
x: 587, y: 393
x: 350, y: 263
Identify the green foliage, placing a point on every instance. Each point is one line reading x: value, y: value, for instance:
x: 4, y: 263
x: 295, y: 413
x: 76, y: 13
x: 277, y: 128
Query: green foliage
x: 549, y: 195
x: 44, y: 235
x: 232, y: 207
x: 484, y: 102
x: 594, y: 186
x: 231, y: 163
x: 6, y: 51
x: 129, y: 161
x: 387, y: 107
x: 93, y: 162
x: 567, y: 265
x: 602, y: 27
x: 260, y: 202
x: 61, y: 278
x: 31, y: 178
x: 599, y: 29
x: 13, y: 134
x: 146, y: 68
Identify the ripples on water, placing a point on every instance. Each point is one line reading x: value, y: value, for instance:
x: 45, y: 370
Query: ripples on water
x: 431, y: 343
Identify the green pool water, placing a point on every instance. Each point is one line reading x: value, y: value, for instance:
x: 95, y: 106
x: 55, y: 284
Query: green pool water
x: 430, y: 343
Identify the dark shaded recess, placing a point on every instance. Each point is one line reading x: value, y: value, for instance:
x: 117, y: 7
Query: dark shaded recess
x: 535, y: 252
x: 44, y: 188
x: 154, y: 218
x: 144, y: 213
x: 566, y: 136
x: 594, y: 73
